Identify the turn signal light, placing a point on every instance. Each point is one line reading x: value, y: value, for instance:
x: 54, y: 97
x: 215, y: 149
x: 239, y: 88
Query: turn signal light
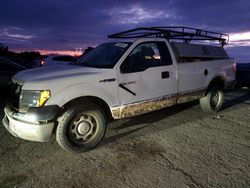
x: 44, y: 96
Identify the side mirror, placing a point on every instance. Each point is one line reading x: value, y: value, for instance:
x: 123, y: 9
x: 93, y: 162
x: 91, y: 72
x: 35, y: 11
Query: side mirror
x: 125, y: 67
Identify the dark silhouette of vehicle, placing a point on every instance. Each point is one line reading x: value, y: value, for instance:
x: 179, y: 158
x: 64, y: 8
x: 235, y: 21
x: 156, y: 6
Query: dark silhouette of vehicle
x: 243, y: 74
x: 7, y: 69
x: 57, y: 59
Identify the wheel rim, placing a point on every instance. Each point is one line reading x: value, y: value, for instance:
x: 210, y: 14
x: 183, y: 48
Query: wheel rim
x: 214, y: 100
x: 82, y: 128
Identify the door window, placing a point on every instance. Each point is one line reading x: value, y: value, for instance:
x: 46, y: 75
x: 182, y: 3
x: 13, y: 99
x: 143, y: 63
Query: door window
x: 64, y: 58
x: 146, y: 55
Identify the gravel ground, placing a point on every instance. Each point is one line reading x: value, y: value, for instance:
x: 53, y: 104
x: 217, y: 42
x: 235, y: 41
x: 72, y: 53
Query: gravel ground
x: 175, y: 147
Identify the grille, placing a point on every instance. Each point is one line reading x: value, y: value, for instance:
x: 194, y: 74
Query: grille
x: 15, y: 95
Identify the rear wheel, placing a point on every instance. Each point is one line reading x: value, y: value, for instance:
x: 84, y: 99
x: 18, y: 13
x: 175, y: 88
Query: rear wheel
x: 213, y: 101
x: 81, y: 128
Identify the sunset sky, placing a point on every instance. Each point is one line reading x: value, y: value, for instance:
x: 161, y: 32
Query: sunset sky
x: 63, y: 26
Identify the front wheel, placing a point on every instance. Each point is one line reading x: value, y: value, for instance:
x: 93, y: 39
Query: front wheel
x: 81, y: 128
x: 213, y: 101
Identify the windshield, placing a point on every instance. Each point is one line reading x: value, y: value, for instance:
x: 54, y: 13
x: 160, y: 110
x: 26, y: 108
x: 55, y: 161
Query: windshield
x: 105, y: 55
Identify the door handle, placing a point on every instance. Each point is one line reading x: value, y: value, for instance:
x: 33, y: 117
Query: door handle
x: 165, y: 75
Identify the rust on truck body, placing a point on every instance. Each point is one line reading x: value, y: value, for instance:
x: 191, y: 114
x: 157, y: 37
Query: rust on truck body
x: 190, y: 96
x: 145, y: 106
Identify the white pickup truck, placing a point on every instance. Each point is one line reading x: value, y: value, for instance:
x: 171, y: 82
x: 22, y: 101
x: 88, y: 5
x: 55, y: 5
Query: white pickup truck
x: 148, y: 71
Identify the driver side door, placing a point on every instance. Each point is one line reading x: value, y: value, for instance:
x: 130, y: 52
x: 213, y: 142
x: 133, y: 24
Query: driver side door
x: 147, y: 81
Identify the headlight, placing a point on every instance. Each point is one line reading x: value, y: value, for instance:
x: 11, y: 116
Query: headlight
x: 33, y: 99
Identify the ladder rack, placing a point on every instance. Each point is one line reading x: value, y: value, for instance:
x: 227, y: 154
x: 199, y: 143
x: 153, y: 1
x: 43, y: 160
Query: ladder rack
x: 186, y: 34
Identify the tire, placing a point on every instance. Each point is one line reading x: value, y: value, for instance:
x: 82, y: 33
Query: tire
x: 213, y: 101
x: 81, y: 128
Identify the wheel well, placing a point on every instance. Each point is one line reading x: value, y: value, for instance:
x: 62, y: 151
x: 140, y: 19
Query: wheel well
x: 99, y: 102
x: 217, y: 82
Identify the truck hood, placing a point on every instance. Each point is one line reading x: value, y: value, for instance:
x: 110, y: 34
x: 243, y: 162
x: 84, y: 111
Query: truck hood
x: 53, y: 73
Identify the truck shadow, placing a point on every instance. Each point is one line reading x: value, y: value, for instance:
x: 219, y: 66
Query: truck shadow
x: 1, y: 112
x: 236, y: 100
x: 123, y: 128
x: 3, y: 102
x: 156, y: 116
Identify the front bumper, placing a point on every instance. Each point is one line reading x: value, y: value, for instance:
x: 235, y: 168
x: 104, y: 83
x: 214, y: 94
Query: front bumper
x: 31, y: 125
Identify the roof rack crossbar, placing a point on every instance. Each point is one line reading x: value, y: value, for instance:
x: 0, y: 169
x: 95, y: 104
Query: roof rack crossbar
x: 173, y: 32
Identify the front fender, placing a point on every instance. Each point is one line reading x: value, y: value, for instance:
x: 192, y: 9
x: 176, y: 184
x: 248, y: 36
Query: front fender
x: 105, y: 92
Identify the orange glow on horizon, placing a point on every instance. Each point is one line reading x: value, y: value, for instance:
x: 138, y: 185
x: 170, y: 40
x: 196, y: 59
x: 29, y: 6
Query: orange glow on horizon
x: 59, y: 52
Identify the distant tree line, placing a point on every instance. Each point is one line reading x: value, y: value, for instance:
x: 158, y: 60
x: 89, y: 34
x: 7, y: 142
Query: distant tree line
x: 30, y: 55
x: 25, y: 58
x: 4, y: 50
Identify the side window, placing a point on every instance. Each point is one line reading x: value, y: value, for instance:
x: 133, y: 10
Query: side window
x: 72, y: 59
x: 146, y: 55
x: 64, y: 58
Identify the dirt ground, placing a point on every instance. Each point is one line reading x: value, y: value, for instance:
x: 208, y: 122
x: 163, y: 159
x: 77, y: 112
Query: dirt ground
x: 175, y: 147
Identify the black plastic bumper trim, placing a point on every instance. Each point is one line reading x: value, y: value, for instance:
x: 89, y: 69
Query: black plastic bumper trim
x: 38, y: 114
